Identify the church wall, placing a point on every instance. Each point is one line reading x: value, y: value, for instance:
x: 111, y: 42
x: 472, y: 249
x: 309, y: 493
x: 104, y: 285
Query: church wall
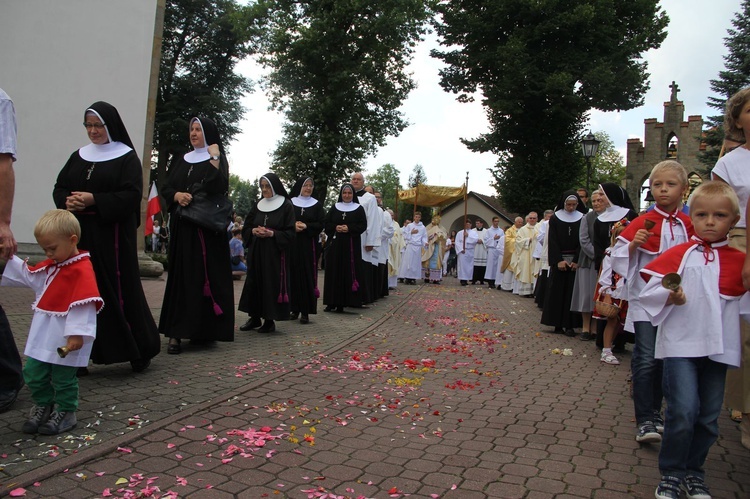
x: 57, y: 58
x: 642, y: 156
x: 453, y: 218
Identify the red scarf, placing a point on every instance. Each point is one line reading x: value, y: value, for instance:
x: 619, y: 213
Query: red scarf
x: 730, y: 263
x: 653, y: 245
x: 73, y: 282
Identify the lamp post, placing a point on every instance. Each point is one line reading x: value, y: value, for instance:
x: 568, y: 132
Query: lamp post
x: 589, y: 146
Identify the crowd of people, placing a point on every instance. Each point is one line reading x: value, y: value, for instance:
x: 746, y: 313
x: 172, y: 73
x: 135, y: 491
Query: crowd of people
x: 668, y: 279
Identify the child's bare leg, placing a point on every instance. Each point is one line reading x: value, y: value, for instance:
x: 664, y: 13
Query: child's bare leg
x: 609, y: 337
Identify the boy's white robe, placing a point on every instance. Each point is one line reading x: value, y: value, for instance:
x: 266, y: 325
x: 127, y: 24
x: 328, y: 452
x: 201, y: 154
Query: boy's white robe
x: 465, y: 254
x: 708, y: 325
x: 49, y: 331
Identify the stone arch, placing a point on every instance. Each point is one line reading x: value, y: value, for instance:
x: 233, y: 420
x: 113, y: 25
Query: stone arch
x: 672, y: 146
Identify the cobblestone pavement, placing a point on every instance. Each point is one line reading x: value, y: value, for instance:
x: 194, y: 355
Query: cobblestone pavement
x: 436, y: 391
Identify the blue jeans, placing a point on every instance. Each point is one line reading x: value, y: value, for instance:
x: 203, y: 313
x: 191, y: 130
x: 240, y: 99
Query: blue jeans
x: 647, y: 373
x: 694, y: 389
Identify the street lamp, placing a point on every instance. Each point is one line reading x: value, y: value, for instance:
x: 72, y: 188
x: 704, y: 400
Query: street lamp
x: 590, y: 146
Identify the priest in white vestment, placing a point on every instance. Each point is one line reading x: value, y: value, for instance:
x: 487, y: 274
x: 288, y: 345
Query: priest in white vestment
x: 525, y: 244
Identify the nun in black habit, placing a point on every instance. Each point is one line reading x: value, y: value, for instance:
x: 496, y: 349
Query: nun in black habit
x: 309, y: 215
x: 269, y: 233
x: 345, y: 223
x: 199, y: 296
x: 102, y: 185
x: 563, y: 247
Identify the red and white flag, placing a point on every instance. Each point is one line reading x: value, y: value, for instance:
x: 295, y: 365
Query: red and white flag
x: 152, y: 208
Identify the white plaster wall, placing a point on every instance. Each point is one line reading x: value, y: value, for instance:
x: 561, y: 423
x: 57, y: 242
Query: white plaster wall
x: 57, y: 58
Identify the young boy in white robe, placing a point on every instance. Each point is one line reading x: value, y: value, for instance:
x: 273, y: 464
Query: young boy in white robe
x: 647, y: 237
x: 699, y: 341
x: 63, y: 328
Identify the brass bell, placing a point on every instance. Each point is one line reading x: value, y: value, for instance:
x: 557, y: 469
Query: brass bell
x: 63, y: 351
x: 671, y: 281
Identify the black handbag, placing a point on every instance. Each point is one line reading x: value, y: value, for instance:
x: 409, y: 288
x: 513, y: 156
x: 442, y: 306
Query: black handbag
x: 208, y: 211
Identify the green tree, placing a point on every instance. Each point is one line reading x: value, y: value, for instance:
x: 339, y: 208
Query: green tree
x: 338, y: 72
x: 540, y: 66
x: 607, y: 166
x: 243, y: 193
x: 406, y: 210
x: 202, y: 42
x: 735, y: 77
x: 386, y: 181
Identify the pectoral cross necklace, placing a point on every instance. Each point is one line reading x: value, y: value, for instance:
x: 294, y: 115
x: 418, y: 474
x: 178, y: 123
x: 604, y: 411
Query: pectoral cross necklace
x: 90, y: 171
x: 343, y: 216
x: 302, y: 212
x: 265, y: 220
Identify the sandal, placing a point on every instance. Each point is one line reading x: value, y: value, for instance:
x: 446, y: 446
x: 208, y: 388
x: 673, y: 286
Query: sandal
x: 735, y: 415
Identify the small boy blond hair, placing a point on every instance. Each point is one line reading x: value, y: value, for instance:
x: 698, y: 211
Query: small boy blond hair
x: 716, y: 189
x: 670, y: 165
x: 58, y: 223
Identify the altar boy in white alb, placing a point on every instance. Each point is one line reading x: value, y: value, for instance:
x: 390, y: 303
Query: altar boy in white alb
x: 466, y: 241
x: 494, y: 241
x: 67, y: 301
x: 698, y: 335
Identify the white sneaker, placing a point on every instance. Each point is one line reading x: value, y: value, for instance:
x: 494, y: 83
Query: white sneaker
x: 609, y: 358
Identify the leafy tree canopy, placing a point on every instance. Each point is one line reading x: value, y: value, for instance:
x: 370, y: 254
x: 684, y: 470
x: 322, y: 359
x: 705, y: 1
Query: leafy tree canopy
x: 338, y: 72
x: 202, y: 42
x: 540, y: 66
x: 243, y: 193
x: 734, y: 78
x: 386, y: 181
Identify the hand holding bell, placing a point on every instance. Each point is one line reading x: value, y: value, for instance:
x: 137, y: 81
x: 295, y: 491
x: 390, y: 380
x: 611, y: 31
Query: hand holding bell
x: 63, y: 351
x: 671, y: 281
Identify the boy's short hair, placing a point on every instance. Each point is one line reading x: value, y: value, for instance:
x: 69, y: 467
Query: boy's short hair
x: 236, y: 231
x: 714, y: 189
x: 734, y: 107
x: 670, y: 165
x: 58, y: 223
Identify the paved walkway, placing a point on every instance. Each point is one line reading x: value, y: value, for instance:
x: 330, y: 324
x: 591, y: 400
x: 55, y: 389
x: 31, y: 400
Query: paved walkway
x: 433, y: 392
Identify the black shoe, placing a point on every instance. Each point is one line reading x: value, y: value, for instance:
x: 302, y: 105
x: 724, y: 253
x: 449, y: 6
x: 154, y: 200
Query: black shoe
x: 339, y: 310
x: 7, y: 399
x: 586, y: 336
x: 304, y: 319
x: 267, y: 327
x: 250, y: 324
x: 294, y: 316
x: 329, y: 308
x: 570, y: 333
x: 175, y: 346
x: 558, y: 330
x: 426, y: 281
x: 140, y: 365
x: 463, y: 283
